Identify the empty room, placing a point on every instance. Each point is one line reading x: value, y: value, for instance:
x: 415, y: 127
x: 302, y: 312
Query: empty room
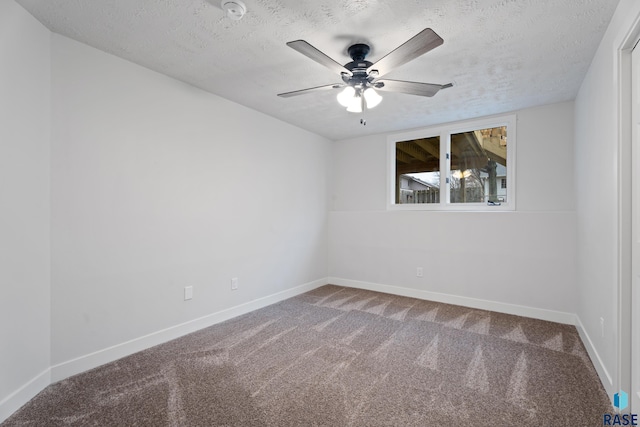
x: 337, y: 213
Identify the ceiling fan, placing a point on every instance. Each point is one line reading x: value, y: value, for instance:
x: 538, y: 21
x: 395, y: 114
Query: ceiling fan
x: 361, y: 78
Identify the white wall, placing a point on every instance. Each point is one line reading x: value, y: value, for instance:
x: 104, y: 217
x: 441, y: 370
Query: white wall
x: 157, y: 185
x: 24, y: 207
x: 523, y: 261
x: 597, y: 162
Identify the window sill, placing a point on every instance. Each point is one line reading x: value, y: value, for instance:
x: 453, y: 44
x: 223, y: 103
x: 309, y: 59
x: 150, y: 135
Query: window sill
x: 458, y: 207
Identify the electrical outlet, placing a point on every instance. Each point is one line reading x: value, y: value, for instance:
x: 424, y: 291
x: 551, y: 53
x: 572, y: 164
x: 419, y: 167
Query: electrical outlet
x: 419, y: 272
x: 188, y: 292
x: 602, y: 326
x: 234, y: 284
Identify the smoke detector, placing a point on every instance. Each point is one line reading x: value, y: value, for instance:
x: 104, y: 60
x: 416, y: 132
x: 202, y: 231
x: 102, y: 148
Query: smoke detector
x: 234, y: 9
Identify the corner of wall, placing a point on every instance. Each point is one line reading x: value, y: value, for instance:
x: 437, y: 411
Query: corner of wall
x: 28, y: 391
x: 596, y: 360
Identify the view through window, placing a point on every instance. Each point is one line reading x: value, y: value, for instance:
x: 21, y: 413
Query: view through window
x: 478, y: 161
x: 418, y: 171
x: 453, y: 168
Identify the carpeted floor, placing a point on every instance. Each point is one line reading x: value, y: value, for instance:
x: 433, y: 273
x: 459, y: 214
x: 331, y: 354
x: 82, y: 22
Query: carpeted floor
x: 342, y: 357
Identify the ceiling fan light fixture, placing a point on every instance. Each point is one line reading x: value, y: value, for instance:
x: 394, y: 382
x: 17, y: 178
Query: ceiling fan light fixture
x: 346, y: 96
x: 355, y: 106
x: 372, y: 97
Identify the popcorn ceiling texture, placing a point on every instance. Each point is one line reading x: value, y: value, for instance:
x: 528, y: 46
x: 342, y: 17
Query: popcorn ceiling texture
x: 502, y: 55
x: 342, y: 357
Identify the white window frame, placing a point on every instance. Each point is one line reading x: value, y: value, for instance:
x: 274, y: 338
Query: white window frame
x: 444, y: 132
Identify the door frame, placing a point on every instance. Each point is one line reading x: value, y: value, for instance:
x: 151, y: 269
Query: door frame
x: 628, y: 343
x: 634, y: 387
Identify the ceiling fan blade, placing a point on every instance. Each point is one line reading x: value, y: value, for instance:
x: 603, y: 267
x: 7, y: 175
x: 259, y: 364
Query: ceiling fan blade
x: 310, y: 90
x: 419, y: 44
x: 412, y: 88
x: 311, y: 52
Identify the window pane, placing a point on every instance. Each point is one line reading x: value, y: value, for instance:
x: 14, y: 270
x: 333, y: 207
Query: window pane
x: 418, y: 171
x: 478, y: 162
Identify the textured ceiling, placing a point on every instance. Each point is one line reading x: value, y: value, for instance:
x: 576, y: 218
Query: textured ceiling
x: 502, y: 55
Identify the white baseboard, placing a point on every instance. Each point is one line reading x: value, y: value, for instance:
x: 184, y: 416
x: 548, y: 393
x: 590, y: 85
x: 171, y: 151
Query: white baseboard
x: 15, y: 400
x: 605, y: 377
x: 519, y: 310
x: 106, y: 355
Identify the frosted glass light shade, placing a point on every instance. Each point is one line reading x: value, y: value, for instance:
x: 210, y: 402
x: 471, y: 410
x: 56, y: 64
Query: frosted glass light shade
x: 372, y: 98
x: 346, y: 96
x: 355, y: 106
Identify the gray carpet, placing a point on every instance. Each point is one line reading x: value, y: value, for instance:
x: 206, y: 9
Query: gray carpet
x: 342, y: 357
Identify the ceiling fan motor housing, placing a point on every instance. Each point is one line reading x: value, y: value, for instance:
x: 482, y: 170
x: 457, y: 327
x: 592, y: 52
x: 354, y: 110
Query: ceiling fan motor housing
x: 358, y: 66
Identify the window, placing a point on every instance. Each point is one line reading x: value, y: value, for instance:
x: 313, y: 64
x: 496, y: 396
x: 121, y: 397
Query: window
x: 454, y: 167
x: 418, y: 171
